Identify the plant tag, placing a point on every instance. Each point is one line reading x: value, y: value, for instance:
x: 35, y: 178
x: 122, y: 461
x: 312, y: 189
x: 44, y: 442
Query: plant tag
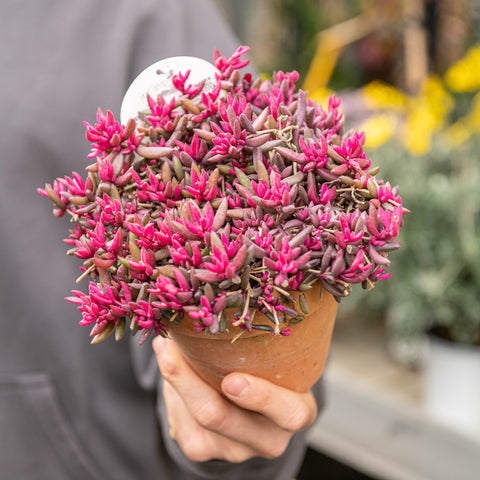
x: 157, y: 80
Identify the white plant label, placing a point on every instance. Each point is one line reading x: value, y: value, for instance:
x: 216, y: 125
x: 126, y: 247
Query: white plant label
x: 157, y: 80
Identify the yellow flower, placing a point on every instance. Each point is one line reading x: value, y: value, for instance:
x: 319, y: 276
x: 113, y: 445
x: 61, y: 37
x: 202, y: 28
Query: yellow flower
x: 473, y: 117
x: 439, y: 101
x: 457, y: 133
x: 381, y: 96
x: 467, y: 126
x: 321, y: 96
x: 418, y: 130
x: 427, y: 115
x: 378, y: 129
x: 464, y: 75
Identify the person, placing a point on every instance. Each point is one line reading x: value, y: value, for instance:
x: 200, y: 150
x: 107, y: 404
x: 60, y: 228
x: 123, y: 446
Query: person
x: 68, y: 409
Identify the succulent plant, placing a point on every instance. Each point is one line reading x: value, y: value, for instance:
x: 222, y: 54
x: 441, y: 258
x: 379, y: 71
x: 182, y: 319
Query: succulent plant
x: 228, y: 198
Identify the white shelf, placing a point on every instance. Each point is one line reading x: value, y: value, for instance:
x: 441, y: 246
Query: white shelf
x: 374, y: 421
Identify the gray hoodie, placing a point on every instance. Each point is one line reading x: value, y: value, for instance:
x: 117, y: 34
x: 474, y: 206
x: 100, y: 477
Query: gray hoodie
x: 69, y: 410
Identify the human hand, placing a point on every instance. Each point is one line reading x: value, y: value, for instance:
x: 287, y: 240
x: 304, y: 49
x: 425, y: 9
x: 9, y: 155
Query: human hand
x: 258, y: 421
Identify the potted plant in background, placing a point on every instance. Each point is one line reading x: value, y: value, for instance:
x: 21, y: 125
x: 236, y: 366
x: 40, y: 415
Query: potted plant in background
x: 227, y: 216
x: 432, y: 303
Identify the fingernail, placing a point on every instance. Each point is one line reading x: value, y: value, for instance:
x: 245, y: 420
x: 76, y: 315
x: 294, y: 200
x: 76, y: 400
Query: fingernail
x: 160, y: 345
x: 235, y: 386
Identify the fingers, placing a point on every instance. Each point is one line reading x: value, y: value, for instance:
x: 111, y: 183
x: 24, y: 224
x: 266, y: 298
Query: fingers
x: 197, y: 443
x: 213, y: 412
x: 289, y: 410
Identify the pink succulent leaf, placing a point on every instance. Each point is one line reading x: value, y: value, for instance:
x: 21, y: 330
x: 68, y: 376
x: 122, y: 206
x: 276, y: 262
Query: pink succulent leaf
x: 200, y: 189
x: 111, y: 211
x: 108, y: 135
x: 381, y: 275
x: 351, y: 150
x: 226, y: 67
x: 227, y: 143
x: 202, y: 313
x: 94, y: 306
x: 56, y: 193
x: 220, y: 303
x: 208, y: 276
x: 75, y: 186
x: 197, y: 148
x: 179, y: 82
x: 145, y: 264
x: 162, y: 114
x: 359, y: 262
x: 209, y: 106
x: 145, y: 313
x: 184, y: 256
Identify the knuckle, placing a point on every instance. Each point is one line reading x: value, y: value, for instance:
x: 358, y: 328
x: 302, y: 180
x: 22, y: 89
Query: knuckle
x: 299, y: 418
x: 193, y: 450
x: 236, y: 455
x: 168, y: 368
x: 276, y: 449
x: 263, y: 400
x: 211, y: 416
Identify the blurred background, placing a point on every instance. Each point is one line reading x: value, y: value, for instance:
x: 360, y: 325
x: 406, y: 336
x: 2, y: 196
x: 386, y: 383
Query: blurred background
x: 404, y: 374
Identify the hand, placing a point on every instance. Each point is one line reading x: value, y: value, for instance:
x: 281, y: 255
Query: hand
x: 259, y: 419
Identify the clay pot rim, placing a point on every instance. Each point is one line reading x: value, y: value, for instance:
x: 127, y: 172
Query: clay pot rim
x: 185, y: 325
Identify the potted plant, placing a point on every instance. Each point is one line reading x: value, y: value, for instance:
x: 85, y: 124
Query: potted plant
x: 241, y: 212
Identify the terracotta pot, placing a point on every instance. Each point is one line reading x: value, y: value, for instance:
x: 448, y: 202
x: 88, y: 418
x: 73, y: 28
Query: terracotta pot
x: 295, y: 362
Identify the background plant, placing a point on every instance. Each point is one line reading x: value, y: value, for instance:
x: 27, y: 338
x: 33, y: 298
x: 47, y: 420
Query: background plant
x: 435, y: 282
